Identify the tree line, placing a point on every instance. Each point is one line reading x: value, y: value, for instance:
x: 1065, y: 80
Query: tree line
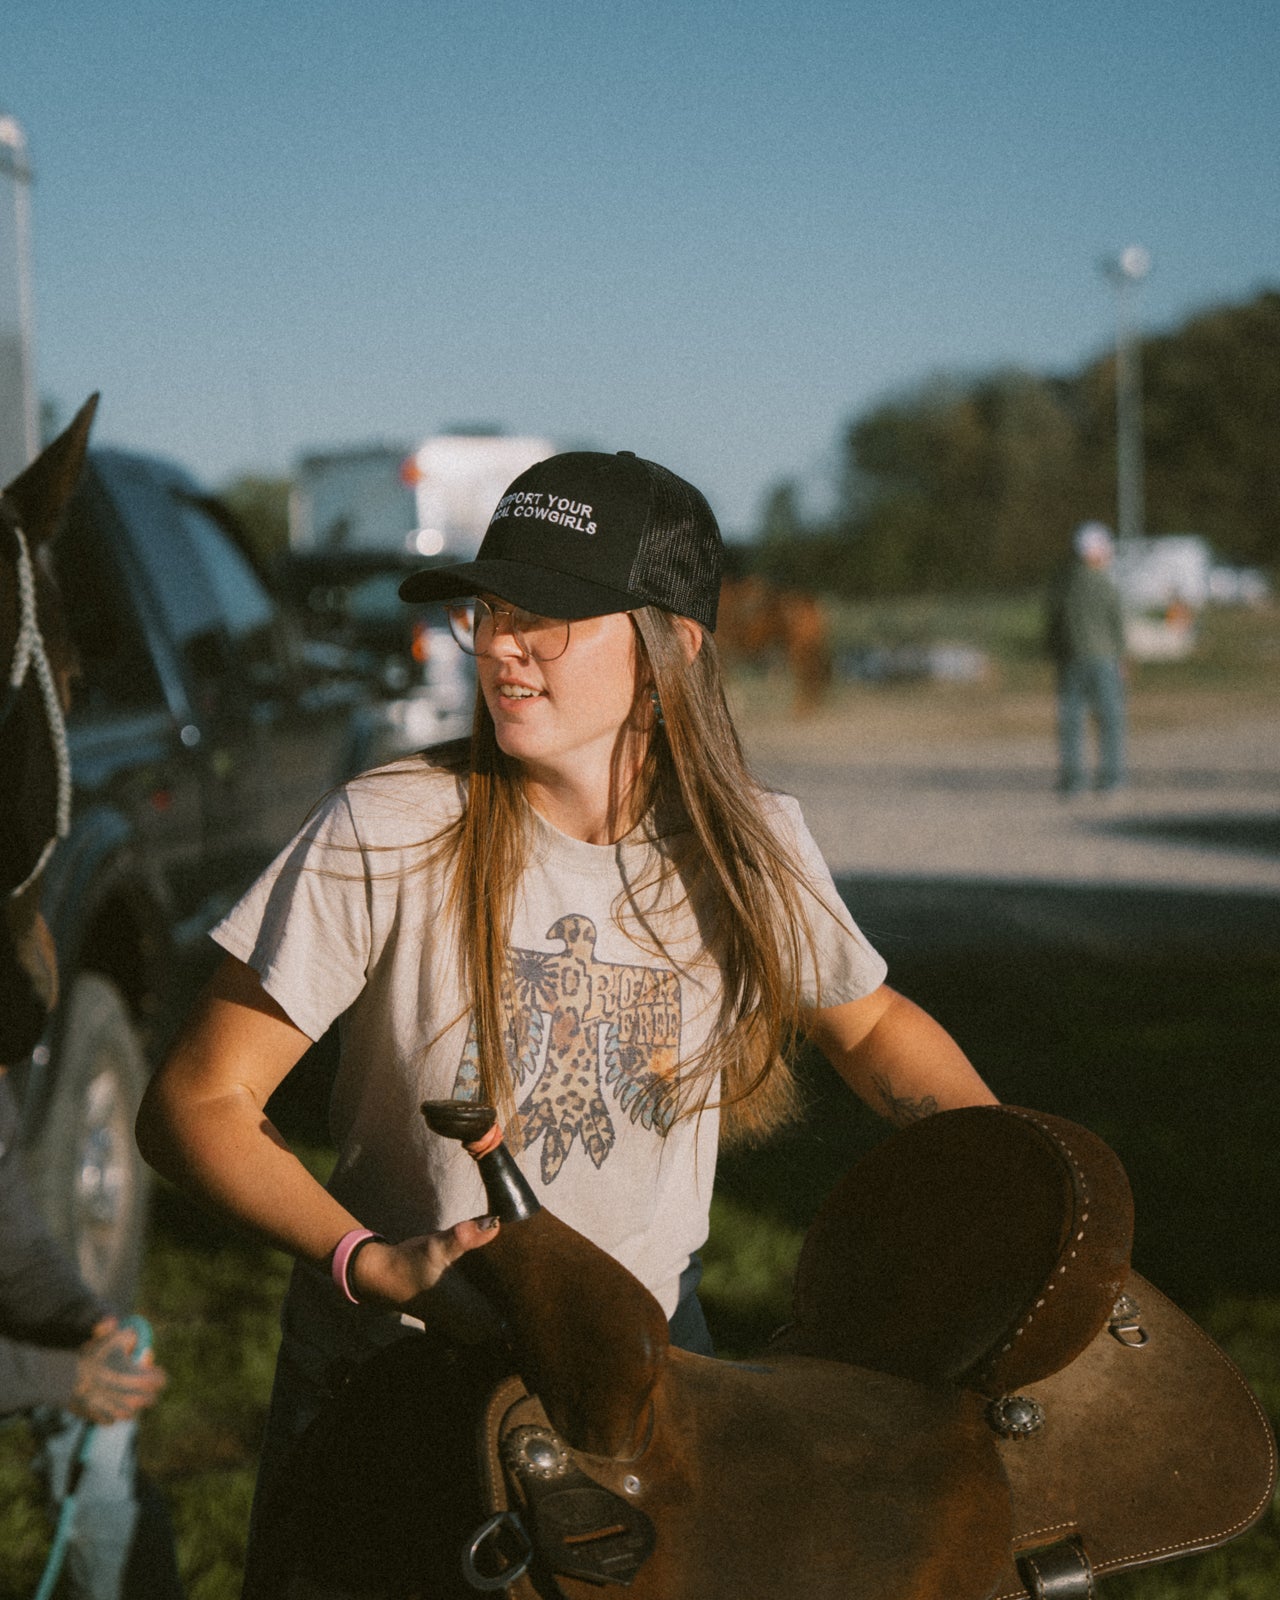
x: 977, y: 483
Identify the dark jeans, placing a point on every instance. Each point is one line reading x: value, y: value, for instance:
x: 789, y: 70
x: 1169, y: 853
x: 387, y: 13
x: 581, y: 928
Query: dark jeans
x: 688, y: 1326
x: 1093, y: 688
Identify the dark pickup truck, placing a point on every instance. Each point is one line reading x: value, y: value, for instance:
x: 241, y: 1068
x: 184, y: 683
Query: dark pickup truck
x: 201, y: 732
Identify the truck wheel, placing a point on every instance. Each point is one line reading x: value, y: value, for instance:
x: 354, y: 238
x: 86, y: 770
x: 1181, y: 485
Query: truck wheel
x: 90, y: 1179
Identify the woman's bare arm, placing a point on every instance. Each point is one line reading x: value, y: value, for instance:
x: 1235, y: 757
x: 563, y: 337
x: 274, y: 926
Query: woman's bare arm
x: 897, y: 1058
x: 203, y: 1124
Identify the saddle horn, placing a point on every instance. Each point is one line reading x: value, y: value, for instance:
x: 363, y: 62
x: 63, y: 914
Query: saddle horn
x: 594, y: 1371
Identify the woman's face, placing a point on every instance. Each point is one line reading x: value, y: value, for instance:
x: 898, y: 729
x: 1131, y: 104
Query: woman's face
x: 562, y: 719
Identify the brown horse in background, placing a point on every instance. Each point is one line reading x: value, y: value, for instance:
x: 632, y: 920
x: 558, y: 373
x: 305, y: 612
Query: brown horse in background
x: 35, y: 778
x: 759, y: 619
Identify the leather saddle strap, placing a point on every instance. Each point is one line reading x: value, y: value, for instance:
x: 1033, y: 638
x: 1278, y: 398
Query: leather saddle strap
x: 1059, y: 1571
x: 580, y: 1528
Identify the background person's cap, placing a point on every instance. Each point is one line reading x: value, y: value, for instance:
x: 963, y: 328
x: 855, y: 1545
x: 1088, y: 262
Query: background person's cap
x: 1093, y: 541
x: 584, y: 534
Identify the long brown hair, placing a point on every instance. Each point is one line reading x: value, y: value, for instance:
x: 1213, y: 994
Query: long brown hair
x: 693, y: 768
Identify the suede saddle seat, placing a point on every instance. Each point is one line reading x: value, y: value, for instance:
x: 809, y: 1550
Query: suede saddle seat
x: 976, y: 1398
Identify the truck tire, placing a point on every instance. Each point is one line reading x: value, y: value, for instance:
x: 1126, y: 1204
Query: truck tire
x: 90, y: 1180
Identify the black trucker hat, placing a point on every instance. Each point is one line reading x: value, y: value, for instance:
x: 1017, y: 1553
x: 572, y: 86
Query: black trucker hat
x: 584, y: 534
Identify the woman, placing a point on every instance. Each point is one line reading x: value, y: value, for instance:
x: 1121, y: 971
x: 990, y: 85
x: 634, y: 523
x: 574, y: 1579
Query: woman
x: 591, y: 916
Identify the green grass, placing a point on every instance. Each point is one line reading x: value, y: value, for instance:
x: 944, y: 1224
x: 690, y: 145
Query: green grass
x: 24, y: 1532
x: 747, y: 1270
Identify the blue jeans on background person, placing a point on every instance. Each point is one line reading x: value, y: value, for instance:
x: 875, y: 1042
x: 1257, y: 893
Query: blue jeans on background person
x: 1093, y: 687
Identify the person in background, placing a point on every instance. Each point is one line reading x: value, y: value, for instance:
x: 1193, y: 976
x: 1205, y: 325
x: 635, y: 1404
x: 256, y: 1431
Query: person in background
x: 1085, y: 636
x: 68, y: 1366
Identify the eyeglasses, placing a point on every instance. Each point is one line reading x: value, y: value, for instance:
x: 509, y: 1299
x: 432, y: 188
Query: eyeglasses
x: 474, y: 624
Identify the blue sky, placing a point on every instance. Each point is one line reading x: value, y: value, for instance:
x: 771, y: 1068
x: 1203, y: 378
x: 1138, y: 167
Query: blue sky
x: 708, y: 232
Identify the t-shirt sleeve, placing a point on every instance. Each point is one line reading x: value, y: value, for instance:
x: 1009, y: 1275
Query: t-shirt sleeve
x: 841, y: 965
x: 305, y: 926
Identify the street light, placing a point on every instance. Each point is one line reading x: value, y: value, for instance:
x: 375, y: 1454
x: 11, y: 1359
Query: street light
x: 1125, y: 272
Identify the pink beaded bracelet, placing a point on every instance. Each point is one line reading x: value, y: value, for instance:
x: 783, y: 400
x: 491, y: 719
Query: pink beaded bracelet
x: 344, y: 1250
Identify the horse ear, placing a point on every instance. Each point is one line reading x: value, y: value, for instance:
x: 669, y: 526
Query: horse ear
x: 42, y: 490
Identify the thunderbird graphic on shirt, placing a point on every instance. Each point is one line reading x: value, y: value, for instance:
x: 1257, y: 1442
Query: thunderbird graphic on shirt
x: 577, y: 1028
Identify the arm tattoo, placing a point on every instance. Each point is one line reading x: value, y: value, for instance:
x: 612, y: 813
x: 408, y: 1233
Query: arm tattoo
x: 901, y: 1111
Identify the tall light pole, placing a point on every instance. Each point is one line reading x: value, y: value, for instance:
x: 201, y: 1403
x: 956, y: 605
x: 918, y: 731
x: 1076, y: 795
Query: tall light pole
x: 1125, y: 272
x: 19, y: 427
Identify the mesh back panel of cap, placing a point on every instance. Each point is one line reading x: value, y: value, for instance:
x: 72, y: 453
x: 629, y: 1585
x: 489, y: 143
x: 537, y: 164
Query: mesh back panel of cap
x: 680, y: 556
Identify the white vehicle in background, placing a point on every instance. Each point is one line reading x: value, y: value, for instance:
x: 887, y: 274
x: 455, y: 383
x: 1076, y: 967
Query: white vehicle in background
x: 360, y: 520
x: 1166, y: 582
x: 433, y: 500
x: 457, y: 480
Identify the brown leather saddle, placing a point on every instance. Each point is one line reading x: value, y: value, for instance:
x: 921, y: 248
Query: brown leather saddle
x: 977, y: 1398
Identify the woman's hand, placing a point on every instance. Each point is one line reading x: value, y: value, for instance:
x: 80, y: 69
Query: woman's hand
x: 413, y: 1277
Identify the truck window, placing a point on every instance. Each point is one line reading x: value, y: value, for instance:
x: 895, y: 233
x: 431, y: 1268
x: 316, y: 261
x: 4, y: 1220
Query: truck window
x: 246, y: 606
x: 147, y: 506
x: 215, y: 608
x: 116, y: 671
x: 248, y: 611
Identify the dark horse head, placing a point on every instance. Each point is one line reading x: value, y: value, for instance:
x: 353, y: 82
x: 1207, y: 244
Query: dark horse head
x: 38, y: 664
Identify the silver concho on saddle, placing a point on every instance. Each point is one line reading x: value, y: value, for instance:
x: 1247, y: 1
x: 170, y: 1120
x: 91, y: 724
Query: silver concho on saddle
x: 977, y: 1399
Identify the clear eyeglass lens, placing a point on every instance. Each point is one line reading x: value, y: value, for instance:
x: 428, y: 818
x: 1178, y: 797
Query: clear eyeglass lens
x: 475, y: 624
x: 462, y: 625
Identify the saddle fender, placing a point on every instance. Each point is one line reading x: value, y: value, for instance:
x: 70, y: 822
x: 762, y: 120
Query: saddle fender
x: 769, y: 1479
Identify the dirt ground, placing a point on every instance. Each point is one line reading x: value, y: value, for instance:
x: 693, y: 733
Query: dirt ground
x: 957, y: 781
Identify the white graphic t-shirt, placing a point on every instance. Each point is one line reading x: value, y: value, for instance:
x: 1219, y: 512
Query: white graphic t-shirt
x: 614, y: 988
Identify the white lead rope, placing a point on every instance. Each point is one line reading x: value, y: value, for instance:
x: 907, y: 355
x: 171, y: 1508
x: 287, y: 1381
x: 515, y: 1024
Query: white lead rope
x: 29, y: 654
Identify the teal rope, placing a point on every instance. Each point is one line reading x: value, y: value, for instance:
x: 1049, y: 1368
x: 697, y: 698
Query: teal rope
x: 67, y: 1511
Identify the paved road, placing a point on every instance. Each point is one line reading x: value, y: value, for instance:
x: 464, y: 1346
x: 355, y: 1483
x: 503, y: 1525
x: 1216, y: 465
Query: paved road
x: 1202, y: 810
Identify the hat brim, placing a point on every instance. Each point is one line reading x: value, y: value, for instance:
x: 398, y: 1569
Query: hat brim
x: 551, y: 594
